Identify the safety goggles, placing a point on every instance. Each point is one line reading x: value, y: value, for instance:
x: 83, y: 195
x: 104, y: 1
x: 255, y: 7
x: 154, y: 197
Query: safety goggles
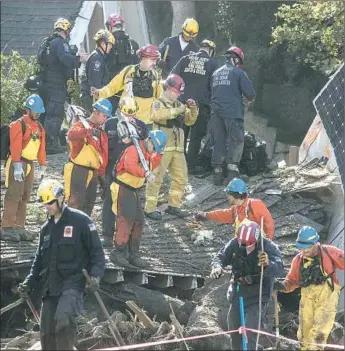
x: 131, y: 111
x: 47, y: 203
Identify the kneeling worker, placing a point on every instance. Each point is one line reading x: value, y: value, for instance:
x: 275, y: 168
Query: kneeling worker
x: 313, y: 270
x: 242, y: 209
x: 88, y: 157
x: 69, y: 242
x: 130, y: 176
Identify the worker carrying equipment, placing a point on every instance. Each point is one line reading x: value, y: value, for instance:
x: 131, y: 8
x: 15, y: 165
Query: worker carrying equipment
x: 26, y: 145
x: 245, y: 255
x: 68, y: 243
x: 174, y: 48
x: 140, y: 81
x: 313, y: 270
x: 242, y: 208
x: 88, y: 157
x: 169, y: 115
x: 129, y: 177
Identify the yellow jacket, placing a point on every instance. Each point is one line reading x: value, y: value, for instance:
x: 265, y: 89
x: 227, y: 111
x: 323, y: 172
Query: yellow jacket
x: 167, y: 117
x: 123, y: 80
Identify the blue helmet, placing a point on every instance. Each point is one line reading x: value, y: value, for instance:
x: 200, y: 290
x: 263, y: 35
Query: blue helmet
x: 159, y: 140
x: 237, y: 186
x: 307, y: 236
x: 35, y: 104
x: 103, y: 105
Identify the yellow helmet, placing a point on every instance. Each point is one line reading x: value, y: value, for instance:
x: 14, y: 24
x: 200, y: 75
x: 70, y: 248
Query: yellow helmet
x: 49, y: 190
x: 62, y: 23
x: 105, y: 35
x: 207, y: 44
x: 128, y: 106
x: 190, y: 27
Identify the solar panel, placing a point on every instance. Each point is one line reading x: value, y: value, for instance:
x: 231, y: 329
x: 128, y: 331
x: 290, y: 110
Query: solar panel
x: 329, y: 104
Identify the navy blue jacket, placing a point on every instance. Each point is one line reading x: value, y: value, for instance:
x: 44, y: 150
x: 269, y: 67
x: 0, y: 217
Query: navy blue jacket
x: 175, y: 52
x: 230, y: 256
x: 96, y: 73
x: 64, y: 249
x: 60, y: 63
x: 196, y: 70
x: 229, y: 85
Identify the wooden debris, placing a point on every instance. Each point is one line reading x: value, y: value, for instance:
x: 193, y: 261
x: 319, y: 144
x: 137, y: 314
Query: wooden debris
x: 177, y: 326
x: 142, y: 316
x: 203, y: 193
x: 307, y: 221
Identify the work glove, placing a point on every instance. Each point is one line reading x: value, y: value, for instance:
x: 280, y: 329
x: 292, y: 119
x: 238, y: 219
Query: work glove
x: 95, y: 92
x: 23, y: 290
x: 70, y: 86
x: 102, y: 184
x: 150, y: 177
x: 201, y: 216
x: 216, y: 272
x: 263, y: 259
x: 83, y: 58
x: 279, y: 285
x: 190, y: 103
x: 42, y: 172
x: 94, y: 284
x: 18, y: 174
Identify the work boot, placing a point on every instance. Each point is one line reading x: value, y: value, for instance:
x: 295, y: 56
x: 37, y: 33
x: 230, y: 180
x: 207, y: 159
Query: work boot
x: 218, y: 177
x: 135, y: 260
x: 155, y: 215
x: 233, y: 172
x: 175, y: 211
x: 9, y: 234
x: 120, y: 255
x: 191, y: 170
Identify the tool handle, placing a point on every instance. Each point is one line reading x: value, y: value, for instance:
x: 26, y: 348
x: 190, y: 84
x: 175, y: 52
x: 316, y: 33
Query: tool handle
x: 166, y: 52
x: 12, y: 305
x: 33, y: 309
x: 243, y: 323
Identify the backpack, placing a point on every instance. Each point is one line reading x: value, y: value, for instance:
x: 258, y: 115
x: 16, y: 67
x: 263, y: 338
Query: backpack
x: 254, y: 158
x: 124, y: 51
x: 43, y: 50
x: 5, y: 138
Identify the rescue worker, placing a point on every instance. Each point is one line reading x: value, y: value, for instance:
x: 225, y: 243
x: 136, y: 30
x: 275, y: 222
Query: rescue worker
x: 68, y: 243
x: 56, y: 68
x: 27, y: 144
x: 88, y: 158
x: 313, y: 270
x: 229, y: 84
x: 116, y: 145
x: 242, y: 209
x: 173, y: 48
x: 169, y: 115
x: 196, y: 70
x: 245, y: 254
x: 130, y: 176
x: 140, y: 81
x: 96, y: 70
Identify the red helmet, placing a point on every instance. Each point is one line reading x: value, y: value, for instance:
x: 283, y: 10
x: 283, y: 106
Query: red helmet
x: 149, y: 51
x: 248, y: 233
x: 237, y: 51
x: 175, y: 83
x: 114, y: 19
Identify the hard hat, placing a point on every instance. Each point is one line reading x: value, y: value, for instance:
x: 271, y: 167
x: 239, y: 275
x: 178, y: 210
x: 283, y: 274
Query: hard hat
x: 150, y: 51
x: 237, y: 186
x: 105, y: 35
x: 175, y: 83
x: 159, y: 140
x: 32, y: 83
x: 34, y: 103
x: 49, y: 190
x: 248, y: 233
x: 190, y: 27
x: 235, y: 50
x: 62, y: 23
x: 114, y: 19
x: 307, y: 236
x: 208, y: 44
x: 103, y: 105
x: 128, y: 106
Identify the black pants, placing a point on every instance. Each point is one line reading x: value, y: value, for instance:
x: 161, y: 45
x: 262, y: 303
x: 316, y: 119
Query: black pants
x: 228, y: 141
x: 108, y: 216
x: 54, y: 97
x: 251, y: 319
x: 197, y: 132
x: 58, y: 327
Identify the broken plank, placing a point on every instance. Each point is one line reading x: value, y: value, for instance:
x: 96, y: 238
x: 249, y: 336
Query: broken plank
x: 201, y: 195
x: 142, y: 316
x: 309, y: 222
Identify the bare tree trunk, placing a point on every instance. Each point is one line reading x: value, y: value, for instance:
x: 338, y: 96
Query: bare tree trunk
x: 181, y: 11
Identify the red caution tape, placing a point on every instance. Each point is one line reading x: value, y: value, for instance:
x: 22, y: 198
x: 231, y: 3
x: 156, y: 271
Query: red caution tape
x: 241, y: 330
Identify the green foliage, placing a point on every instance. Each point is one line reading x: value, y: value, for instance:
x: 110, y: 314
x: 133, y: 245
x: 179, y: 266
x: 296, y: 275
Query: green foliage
x: 304, y: 28
x: 14, y: 72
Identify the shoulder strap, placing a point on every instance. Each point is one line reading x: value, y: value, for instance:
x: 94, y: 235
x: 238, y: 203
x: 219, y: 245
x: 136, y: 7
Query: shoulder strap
x: 163, y: 102
x: 23, y: 125
x: 329, y: 256
x: 127, y: 70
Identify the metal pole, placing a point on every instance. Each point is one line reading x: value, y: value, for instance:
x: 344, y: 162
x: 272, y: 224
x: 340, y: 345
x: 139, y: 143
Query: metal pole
x: 276, y: 315
x: 243, y: 324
